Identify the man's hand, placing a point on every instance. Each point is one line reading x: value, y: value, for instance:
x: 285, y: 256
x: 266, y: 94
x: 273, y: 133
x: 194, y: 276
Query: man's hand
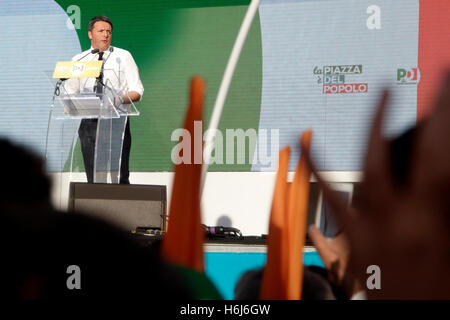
x: 132, y: 96
x: 335, y: 254
x: 118, y: 101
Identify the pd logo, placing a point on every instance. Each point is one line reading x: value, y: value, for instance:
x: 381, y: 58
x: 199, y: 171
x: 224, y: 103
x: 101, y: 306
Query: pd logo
x: 77, y: 69
x: 408, y: 76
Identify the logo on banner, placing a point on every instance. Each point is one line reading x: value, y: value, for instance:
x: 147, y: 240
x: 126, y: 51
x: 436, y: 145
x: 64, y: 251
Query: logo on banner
x: 77, y: 69
x: 334, y: 79
x: 408, y: 76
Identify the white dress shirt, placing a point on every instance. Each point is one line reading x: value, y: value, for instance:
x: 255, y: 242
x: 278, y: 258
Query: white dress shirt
x: 120, y: 72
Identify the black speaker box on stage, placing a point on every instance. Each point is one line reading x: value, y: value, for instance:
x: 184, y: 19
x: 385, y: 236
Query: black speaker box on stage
x: 126, y: 206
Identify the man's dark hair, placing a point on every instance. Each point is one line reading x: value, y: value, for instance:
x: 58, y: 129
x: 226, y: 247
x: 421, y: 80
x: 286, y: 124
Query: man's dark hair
x: 99, y: 18
x: 24, y: 177
x: 315, y: 285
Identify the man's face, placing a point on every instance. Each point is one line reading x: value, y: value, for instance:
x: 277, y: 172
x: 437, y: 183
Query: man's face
x: 100, y: 35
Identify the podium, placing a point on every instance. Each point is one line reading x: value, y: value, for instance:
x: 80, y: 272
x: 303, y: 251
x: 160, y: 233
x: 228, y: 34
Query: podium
x: 97, y: 100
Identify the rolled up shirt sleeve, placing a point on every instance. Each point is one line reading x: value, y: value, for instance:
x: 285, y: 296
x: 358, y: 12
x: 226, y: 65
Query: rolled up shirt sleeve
x: 132, y: 76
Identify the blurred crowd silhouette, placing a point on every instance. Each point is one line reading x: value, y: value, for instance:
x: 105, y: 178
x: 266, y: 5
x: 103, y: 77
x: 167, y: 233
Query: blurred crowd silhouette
x: 38, y: 244
x: 401, y: 223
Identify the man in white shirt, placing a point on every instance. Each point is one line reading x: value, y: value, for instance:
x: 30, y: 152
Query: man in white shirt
x: 126, y: 79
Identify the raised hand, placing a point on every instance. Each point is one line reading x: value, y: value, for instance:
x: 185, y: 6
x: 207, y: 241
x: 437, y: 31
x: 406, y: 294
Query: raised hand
x: 403, y: 229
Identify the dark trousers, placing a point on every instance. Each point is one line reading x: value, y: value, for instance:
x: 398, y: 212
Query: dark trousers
x: 87, y: 133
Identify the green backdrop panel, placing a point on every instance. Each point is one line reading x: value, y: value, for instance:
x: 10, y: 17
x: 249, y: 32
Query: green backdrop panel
x: 171, y: 43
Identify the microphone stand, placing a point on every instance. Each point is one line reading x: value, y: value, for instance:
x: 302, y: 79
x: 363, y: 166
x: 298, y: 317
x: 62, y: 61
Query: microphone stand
x: 99, y: 79
x: 61, y: 80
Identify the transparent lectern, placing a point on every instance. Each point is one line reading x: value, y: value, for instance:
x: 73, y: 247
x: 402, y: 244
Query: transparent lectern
x: 78, y: 98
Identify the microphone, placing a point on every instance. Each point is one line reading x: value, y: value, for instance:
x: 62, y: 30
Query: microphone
x: 60, y: 81
x: 100, y: 77
x: 93, y: 51
x: 111, y: 49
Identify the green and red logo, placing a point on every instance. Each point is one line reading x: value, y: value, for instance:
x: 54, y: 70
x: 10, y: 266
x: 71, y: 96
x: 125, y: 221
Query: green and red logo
x: 408, y: 76
x: 77, y: 69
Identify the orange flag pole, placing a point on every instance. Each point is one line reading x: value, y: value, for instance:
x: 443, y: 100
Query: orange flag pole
x: 272, y: 287
x: 183, y: 243
x: 283, y: 274
x: 297, y: 215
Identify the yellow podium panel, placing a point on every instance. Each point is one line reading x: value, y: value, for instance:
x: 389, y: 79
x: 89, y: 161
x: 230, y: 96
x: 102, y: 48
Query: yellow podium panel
x: 77, y: 69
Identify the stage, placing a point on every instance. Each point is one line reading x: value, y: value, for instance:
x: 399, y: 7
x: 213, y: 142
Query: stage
x: 227, y: 259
